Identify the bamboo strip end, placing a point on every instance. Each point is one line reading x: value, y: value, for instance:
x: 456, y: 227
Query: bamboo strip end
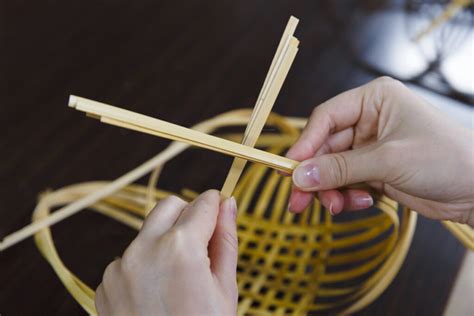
x: 72, y: 101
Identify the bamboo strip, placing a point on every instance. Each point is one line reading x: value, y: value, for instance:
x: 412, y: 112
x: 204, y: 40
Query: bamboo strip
x: 233, y: 117
x: 448, y: 13
x: 138, y: 122
x: 462, y: 232
x: 386, y: 260
x: 281, y: 63
x: 258, y: 120
x: 237, y: 117
x: 219, y: 145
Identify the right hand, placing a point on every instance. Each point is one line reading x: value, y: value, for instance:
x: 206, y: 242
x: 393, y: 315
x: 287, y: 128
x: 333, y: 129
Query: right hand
x: 383, y: 134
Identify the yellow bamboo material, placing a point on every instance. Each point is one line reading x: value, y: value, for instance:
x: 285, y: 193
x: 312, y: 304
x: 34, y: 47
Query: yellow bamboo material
x: 279, y: 68
x: 127, y: 119
x: 288, y: 264
x: 279, y: 252
x: 233, y: 117
x: 462, y: 232
x: 448, y: 13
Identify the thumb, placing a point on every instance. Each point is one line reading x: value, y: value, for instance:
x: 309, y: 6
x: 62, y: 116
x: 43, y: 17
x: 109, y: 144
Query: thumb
x: 223, y: 247
x: 339, y: 169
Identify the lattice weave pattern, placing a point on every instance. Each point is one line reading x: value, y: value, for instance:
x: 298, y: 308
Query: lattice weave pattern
x: 288, y: 264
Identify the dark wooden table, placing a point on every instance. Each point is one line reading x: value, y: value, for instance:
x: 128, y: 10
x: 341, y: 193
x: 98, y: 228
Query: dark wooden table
x: 180, y: 62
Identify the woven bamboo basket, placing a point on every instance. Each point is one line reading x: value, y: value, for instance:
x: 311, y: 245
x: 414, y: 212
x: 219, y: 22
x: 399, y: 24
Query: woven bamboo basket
x: 288, y: 264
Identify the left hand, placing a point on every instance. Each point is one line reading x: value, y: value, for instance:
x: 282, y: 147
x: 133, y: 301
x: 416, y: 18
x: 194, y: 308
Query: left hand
x: 183, y: 262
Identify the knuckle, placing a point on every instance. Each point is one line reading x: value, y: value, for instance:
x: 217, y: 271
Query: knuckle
x: 308, y: 147
x: 386, y: 81
x: 315, y: 111
x: 319, y: 113
x: 387, y: 84
x: 340, y: 170
x: 173, y: 200
x: 203, y: 205
x: 100, y: 295
x: 110, y: 276
x: 230, y: 240
x: 100, y: 299
x: 181, y: 247
x: 208, y: 198
x: 212, y: 192
x: 134, y: 255
x: 110, y: 271
x: 207, y: 202
x: 129, y: 262
x: 380, y: 89
x: 175, y: 238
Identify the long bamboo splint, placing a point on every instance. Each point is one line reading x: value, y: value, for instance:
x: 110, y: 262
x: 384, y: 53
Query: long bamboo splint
x: 279, y: 69
x: 145, y: 124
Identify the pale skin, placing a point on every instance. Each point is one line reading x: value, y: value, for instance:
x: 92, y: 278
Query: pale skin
x: 183, y: 261
x: 385, y: 135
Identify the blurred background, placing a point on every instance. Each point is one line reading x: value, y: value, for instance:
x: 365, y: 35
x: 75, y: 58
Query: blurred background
x: 185, y: 62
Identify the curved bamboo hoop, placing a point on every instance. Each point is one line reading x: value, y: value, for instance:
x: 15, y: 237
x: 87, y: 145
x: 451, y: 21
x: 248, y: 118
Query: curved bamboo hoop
x: 288, y: 264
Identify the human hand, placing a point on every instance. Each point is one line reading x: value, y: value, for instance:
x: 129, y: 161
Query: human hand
x: 183, y: 262
x: 383, y: 134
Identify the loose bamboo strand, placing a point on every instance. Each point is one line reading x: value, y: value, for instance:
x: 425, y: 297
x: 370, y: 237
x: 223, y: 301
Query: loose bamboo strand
x: 462, y: 232
x: 234, y: 117
x: 448, y: 13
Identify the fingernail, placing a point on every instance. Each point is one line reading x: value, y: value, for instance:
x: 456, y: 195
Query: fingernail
x: 230, y: 205
x: 363, y: 201
x: 288, y: 208
x: 331, y: 211
x: 327, y: 203
x: 306, y: 176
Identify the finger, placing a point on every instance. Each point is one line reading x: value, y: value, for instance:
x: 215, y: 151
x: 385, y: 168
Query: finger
x: 337, y: 142
x: 223, y: 247
x: 112, y: 286
x: 162, y: 217
x: 341, y: 112
x: 332, y: 200
x: 348, y: 200
x: 340, y: 169
x: 432, y: 209
x: 101, y: 301
x: 199, y: 217
x: 355, y: 200
x: 299, y: 200
x: 340, y: 141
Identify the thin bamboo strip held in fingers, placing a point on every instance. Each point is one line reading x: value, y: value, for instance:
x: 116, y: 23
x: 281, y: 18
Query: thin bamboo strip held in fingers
x: 279, y: 68
x: 134, y: 121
